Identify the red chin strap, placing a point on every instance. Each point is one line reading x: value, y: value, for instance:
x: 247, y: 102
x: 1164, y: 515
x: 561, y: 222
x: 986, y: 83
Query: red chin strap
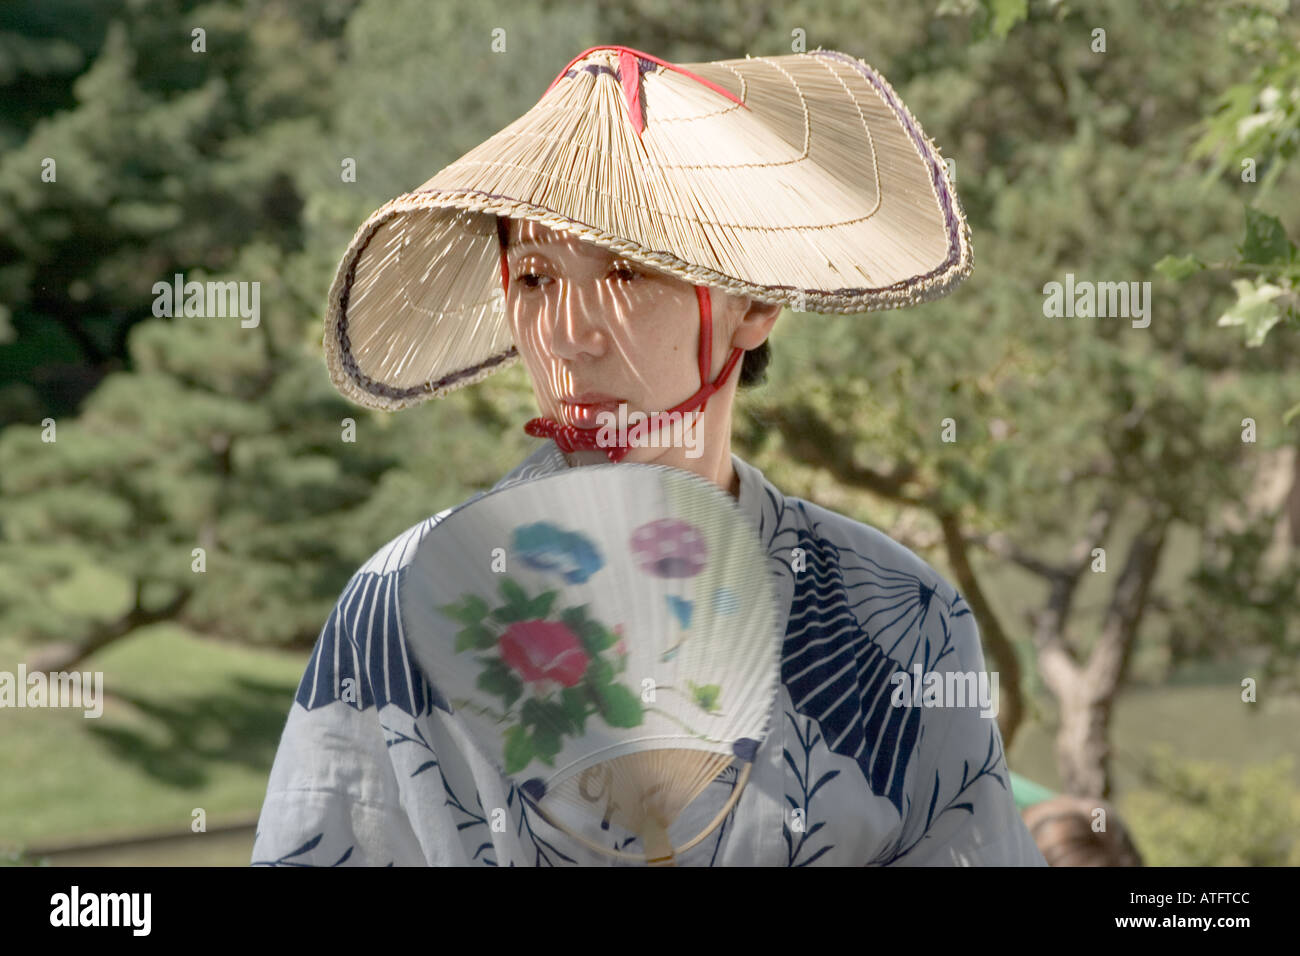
x: 570, y: 438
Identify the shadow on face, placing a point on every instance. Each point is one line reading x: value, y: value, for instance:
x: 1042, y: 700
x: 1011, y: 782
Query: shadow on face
x: 590, y: 324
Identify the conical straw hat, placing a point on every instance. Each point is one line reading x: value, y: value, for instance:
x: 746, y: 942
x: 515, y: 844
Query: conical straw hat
x: 799, y: 179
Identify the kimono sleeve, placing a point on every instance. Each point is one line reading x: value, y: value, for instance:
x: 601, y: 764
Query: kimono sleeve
x: 962, y: 806
x: 333, y: 796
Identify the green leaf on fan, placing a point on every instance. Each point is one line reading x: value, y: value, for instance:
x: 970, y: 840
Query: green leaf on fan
x: 706, y: 695
x: 619, y: 706
x: 559, y: 717
x: 528, y: 714
x: 517, y: 606
x: 575, y: 702
x: 598, y: 637
x: 599, y: 673
x: 474, y: 636
x: 513, y: 594
x: 471, y: 609
x: 540, y: 606
x: 576, y: 618
x: 595, y: 637
x: 546, y: 744
x: 519, y: 749
x: 545, y: 713
x: 498, y: 679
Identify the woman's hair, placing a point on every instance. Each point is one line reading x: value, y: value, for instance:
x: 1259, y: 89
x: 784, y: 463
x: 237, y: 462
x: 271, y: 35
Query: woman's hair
x: 753, y: 365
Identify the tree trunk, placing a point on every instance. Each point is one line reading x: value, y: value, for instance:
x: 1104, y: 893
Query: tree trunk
x: 1083, y: 740
x: 991, y: 632
x: 1086, y: 695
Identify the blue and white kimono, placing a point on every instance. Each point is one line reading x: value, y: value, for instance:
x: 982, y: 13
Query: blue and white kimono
x: 375, y: 769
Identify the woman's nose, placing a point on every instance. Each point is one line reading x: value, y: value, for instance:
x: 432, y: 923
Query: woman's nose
x: 579, y: 327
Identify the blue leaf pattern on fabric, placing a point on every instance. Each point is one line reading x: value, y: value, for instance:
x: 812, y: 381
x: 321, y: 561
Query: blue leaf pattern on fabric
x: 836, y: 668
x: 543, y: 850
x: 287, y: 859
x: 472, y: 819
x: 807, y: 741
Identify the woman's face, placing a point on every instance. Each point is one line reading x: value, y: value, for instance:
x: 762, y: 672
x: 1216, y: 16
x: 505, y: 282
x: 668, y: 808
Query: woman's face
x: 595, y: 329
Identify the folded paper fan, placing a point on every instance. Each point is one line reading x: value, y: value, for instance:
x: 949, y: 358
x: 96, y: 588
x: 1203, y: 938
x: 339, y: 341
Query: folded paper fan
x: 608, y: 634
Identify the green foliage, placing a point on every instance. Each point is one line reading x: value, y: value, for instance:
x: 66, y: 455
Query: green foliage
x: 1258, y: 119
x: 1256, y: 125
x: 1234, y: 597
x: 1201, y: 814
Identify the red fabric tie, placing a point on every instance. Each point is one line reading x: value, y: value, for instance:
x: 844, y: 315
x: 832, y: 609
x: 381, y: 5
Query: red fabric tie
x: 568, y: 437
x: 629, y: 72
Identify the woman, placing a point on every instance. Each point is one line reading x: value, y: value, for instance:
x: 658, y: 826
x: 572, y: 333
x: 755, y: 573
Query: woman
x: 645, y: 223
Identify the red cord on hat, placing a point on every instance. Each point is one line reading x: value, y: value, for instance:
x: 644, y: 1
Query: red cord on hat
x: 629, y: 72
x: 571, y: 438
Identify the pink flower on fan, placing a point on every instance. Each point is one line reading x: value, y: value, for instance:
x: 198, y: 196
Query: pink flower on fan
x: 544, y: 650
x: 669, y: 548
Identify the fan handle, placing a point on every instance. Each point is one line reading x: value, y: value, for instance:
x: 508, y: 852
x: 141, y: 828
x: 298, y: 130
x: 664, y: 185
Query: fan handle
x: 660, y: 858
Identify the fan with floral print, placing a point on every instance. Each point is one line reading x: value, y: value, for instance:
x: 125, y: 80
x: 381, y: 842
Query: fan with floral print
x: 608, y: 635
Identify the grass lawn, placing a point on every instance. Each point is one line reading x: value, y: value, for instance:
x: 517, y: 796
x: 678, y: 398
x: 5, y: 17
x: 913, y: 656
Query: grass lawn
x: 187, y: 724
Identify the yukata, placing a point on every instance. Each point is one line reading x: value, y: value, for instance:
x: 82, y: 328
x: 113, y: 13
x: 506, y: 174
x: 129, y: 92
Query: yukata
x: 375, y: 769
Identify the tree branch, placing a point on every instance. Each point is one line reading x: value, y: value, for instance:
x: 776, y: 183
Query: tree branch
x: 65, y: 656
x: 991, y: 630
x: 810, y: 440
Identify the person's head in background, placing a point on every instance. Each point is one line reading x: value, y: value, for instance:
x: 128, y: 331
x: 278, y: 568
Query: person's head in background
x: 1063, y: 830
x: 595, y: 329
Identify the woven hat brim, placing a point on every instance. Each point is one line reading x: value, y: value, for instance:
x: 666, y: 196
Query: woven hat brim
x: 822, y: 193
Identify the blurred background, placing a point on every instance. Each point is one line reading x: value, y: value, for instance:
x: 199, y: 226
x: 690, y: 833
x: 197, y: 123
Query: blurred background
x: 1120, y: 505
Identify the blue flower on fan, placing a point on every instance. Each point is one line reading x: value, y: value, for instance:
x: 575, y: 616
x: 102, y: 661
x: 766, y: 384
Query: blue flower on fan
x: 543, y: 546
x: 681, y: 609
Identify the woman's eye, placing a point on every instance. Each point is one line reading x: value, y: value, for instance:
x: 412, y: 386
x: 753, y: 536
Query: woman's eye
x: 526, y: 278
x: 625, y: 273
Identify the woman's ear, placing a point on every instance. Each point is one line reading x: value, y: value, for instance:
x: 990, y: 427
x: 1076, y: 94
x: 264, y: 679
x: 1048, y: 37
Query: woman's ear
x: 755, y: 323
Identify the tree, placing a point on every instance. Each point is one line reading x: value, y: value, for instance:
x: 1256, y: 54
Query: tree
x: 1072, y: 435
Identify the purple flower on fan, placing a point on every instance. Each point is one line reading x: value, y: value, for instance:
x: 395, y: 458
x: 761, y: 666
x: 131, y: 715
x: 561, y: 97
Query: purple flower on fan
x: 669, y: 548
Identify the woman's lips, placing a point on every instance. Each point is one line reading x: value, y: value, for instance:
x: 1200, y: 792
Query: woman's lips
x: 584, y: 411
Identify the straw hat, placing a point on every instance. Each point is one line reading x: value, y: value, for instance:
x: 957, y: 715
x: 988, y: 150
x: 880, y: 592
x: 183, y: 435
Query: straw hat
x: 799, y: 179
